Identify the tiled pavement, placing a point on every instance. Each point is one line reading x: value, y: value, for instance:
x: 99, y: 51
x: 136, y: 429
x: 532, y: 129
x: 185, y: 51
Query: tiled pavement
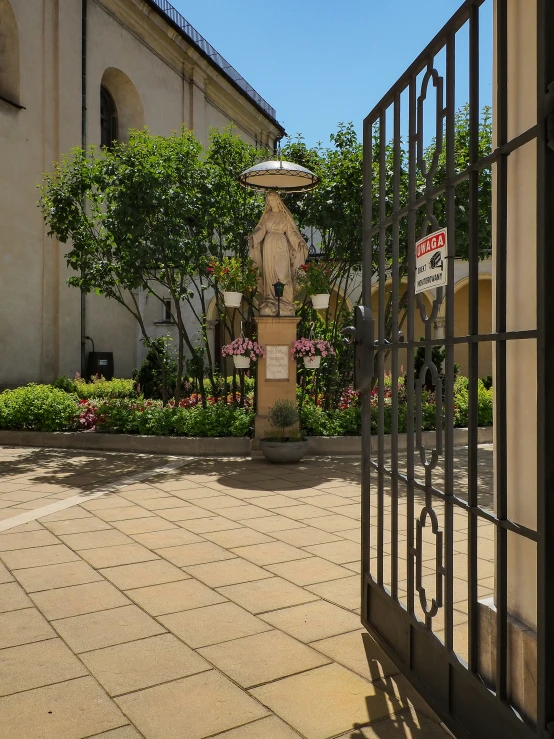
x: 220, y: 598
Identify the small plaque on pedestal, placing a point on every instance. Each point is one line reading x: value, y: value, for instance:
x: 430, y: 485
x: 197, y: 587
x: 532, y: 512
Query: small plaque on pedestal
x: 277, y: 362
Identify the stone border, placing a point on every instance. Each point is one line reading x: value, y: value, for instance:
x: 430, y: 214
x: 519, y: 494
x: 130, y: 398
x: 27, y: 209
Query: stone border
x: 207, y: 447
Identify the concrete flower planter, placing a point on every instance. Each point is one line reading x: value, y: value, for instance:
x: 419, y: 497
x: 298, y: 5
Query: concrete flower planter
x: 283, y: 452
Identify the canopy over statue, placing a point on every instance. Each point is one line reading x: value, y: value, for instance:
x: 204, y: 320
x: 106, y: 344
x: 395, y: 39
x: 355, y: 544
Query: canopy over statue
x: 278, y: 249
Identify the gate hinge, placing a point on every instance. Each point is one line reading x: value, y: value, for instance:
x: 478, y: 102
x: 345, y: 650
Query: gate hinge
x: 549, y: 109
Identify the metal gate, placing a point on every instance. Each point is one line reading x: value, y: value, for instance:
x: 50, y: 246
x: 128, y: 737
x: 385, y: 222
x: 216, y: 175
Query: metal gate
x: 435, y: 539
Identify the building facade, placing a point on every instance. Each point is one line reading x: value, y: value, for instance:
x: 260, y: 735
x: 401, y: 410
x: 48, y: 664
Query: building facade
x: 82, y: 72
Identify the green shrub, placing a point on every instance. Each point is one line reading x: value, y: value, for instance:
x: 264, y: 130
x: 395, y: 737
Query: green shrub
x: 39, y: 408
x: 99, y: 387
x: 148, y: 376
x: 66, y: 384
x: 215, y: 420
x: 314, y: 421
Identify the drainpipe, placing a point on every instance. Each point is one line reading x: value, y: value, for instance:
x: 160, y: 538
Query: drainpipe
x: 84, y: 4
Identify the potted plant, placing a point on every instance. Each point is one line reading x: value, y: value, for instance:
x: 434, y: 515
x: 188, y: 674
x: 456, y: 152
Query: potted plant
x: 284, y: 445
x: 233, y: 277
x: 315, y: 279
x: 311, y: 351
x: 243, y: 352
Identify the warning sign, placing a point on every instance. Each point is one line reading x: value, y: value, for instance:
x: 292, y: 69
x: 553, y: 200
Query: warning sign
x: 431, y: 253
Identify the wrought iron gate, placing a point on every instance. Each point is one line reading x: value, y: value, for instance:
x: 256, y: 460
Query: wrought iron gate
x: 434, y: 542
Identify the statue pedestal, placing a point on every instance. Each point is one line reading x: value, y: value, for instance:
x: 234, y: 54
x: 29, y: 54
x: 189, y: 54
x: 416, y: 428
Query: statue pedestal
x: 277, y: 372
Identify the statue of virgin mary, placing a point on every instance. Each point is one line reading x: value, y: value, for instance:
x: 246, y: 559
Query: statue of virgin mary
x: 278, y: 250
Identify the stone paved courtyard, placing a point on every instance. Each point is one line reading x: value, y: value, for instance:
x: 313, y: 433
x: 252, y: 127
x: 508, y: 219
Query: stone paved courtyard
x: 196, y: 598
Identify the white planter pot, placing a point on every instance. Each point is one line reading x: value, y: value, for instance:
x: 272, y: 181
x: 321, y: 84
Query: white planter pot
x: 312, y: 362
x: 241, y: 362
x: 320, y: 301
x: 232, y: 300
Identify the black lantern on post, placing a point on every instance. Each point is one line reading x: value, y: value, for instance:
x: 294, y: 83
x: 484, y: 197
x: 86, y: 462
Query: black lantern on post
x: 278, y: 288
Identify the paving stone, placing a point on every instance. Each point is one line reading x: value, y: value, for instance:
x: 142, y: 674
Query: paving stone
x: 195, y: 494
x: 312, y: 621
x: 68, y: 514
x: 269, y: 524
x: 239, y: 537
x: 353, y: 535
x: 244, y: 512
x: 77, y: 525
x: 186, y: 513
x: 266, y: 595
x: 271, y: 553
x: 125, y: 732
x: 122, y: 554
x: 272, y: 501
x: 219, y: 502
x: 168, y: 538
x: 11, y: 541
x: 144, y: 492
x: 213, y: 624
x: 309, y: 571
x: 209, y: 524
x: 34, y: 665
x: 228, y: 572
x: 56, y: 576
x: 195, y: 554
x: 350, y: 510
x: 143, y: 525
x: 398, y: 687
x: 143, y: 663
x: 276, y: 655
x: 13, y: 598
x: 359, y: 652
x: 23, y: 627
x: 110, y: 500
x: 142, y: 574
x: 266, y: 728
x: 79, y: 599
x: 406, y: 724
x: 106, y: 628
x: 205, y: 704
x: 95, y: 539
x: 171, y: 485
x: 303, y: 511
x: 174, y: 596
x: 159, y: 504
x: 338, y: 700
x: 345, y: 592
x: 38, y: 557
x: 122, y: 514
x: 49, y: 712
x: 332, y: 523
x: 325, y: 500
x: 338, y: 551
x: 304, y: 536
x: 5, y: 574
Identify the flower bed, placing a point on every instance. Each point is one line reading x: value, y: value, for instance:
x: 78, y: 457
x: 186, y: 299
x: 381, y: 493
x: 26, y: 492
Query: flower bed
x: 47, y: 408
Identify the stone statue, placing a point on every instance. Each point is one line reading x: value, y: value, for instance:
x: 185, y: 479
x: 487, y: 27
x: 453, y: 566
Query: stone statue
x: 278, y: 250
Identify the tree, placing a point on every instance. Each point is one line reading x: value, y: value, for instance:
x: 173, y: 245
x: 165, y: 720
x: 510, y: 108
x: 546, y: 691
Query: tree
x: 335, y: 207
x: 146, y: 216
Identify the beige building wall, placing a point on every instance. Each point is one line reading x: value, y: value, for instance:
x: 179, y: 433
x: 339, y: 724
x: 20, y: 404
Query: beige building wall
x: 157, y: 79
x: 521, y: 313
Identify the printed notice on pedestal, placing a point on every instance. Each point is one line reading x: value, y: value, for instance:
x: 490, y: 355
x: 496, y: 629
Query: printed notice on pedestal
x: 277, y: 363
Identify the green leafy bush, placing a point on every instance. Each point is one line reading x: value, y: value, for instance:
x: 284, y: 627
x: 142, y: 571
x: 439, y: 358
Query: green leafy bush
x: 215, y: 420
x: 98, y: 387
x: 39, y: 408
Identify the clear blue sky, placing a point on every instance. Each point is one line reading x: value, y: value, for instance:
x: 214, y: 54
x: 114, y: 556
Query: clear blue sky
x: 319, y: 62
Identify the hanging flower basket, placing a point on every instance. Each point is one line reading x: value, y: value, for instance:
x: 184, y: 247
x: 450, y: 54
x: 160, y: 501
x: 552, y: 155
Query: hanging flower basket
x: 243, y: 352
x: 241, y: 361
x: 311, y: 351
x: 232, y: 299
x: 320, y: 301
x: 312, y: 362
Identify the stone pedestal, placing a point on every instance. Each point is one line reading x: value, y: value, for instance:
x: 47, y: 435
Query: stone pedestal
x: 277, y: 372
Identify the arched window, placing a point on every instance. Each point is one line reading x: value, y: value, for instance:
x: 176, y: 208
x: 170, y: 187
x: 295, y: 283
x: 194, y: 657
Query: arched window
x: 9, y: 55
x: 108, y: 119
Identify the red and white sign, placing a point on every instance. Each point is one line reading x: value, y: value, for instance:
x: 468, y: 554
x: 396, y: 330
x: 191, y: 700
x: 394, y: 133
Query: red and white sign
x: 431, y: 253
